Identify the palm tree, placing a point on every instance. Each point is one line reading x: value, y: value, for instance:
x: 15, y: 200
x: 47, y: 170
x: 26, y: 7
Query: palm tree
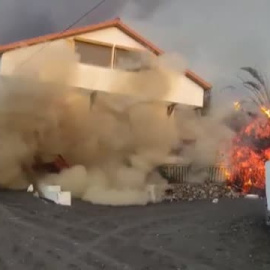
x: 259, y: 92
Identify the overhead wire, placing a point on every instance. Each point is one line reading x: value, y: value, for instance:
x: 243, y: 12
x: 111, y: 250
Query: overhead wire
x: 62, y: 32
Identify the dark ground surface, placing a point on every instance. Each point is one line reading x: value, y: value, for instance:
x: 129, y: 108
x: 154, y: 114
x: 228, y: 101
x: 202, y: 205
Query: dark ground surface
x: 187, y: 236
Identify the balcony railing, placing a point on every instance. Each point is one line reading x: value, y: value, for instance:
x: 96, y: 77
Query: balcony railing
x: 179, y: 173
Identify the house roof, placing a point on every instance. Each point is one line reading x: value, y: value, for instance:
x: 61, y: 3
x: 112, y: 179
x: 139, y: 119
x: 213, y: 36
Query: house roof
x: 90, y: 28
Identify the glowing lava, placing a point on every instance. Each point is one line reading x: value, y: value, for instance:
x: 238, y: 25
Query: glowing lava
x: 250, y: 150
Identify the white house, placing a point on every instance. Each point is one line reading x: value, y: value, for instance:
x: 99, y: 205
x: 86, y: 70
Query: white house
x: 100, y: 46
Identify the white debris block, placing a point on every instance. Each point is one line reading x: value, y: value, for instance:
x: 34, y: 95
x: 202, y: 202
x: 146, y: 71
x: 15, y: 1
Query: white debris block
x: 53, y: 193
x: 45, y: 188
x: 215, y: 200
x: 64, y: 198
x: 30, y: 188
x: 50, y: 188
x: 50, y: 195
x: 252, y: 196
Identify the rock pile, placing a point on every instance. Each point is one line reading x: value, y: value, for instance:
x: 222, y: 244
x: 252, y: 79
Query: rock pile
x: 207, y: 190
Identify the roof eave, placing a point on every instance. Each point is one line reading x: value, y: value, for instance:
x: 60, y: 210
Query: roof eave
x: 111, y: 23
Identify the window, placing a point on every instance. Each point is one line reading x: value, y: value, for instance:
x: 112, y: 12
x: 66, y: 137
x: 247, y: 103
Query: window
x: 130, y: 60
x: 94, y: 54
x: 121, y: 58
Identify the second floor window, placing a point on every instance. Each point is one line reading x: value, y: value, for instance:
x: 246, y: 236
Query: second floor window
x: 130, y: 60
x: 94, y: 54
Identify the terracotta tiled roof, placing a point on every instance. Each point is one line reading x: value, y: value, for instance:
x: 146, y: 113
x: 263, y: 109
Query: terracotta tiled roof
x: 195, y: 78
x: 111, y: 23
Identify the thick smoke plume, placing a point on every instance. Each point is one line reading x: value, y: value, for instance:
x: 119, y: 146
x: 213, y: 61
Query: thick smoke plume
x: 112, y: 149
x: 143, y: 9
x: 209, y: 132
x: 112, y: 142
x: 29, y: 18
x: 211, y: 136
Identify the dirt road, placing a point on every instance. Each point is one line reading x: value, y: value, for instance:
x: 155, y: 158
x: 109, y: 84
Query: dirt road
x: 188, y: 236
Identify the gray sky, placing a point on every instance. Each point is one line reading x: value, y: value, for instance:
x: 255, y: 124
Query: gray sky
x: 216, y: 37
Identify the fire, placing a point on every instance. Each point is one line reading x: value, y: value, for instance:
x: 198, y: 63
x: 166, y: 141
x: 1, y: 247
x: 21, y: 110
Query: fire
x: 237, y: 105
x: 251, y: 146
x: 227, y: 174
x: 250, y: 150
x: 265, y: 111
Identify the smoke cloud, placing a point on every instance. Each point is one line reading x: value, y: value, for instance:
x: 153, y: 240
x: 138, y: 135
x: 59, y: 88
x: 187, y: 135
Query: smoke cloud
x: 113, y: 143
x: 112, y: 149
x: 144, y: 9
x: 209, y: 132
x: 28, y: 18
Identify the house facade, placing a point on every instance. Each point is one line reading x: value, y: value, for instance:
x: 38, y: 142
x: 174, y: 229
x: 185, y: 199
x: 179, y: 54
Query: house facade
x: 100, y: 47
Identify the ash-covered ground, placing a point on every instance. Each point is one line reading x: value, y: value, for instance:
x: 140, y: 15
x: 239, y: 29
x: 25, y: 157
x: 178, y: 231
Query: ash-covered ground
x: 180, y: 235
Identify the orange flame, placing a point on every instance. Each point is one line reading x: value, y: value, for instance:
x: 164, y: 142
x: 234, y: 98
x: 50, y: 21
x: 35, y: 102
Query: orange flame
x: 227, y: 174
x: 265, y: 111
x: 237, y: 105
x: 250, y: 150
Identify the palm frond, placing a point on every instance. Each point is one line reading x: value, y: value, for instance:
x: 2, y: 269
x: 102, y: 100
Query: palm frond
x: 255, y: 74
x: 258, y: 88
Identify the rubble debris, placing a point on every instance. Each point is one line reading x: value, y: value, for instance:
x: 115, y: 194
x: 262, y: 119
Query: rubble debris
x: 52, y: 164
x: 215, y: 200
x: 252, y: 196
x: 208, y: 190
x: 55, y: 164
x: 30, y: 188
x: 53, y: 193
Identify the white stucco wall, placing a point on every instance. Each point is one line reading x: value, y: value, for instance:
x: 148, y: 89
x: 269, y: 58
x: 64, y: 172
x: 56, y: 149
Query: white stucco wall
x: 187, y: 92
x: 20, y: 59
x: 183, y: 90
x: 114, y: 36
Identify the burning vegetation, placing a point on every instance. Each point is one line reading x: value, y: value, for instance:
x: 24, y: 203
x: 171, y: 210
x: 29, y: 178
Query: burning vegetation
x: 250, y: 147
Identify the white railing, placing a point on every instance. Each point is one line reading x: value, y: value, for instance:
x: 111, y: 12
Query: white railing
x: 179, y: 173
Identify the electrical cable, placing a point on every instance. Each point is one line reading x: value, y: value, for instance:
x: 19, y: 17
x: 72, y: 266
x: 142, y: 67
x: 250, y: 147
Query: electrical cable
x: 66, y: 29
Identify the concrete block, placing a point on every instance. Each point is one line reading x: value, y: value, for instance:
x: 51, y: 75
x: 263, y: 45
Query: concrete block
x: 64, y: 198
x: 53, y: 193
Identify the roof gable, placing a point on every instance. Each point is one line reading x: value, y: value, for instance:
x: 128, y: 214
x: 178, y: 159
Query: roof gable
x: 90, y: 28
x: 112, y: 36
x: 82, y: 30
